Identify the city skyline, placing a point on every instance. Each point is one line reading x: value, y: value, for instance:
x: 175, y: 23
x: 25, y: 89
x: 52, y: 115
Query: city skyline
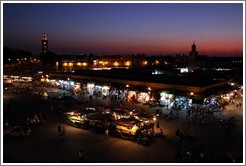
x: 128, y: 28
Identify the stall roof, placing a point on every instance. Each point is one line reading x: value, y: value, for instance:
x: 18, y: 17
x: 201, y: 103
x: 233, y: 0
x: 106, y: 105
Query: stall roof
x: 128, y: 122
x: 99, y: 116
x: 143, y: 114
x: 121, y: 111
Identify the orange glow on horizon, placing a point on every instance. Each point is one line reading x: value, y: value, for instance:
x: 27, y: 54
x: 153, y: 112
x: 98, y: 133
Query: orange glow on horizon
x: 173, y: 47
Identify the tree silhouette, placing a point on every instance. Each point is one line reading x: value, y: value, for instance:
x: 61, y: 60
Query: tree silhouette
x: 11, y: 55
x: 49, y: 57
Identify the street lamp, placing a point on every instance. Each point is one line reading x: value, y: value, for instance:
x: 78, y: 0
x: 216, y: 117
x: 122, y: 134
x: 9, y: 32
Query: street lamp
x: 149, y: 92
x: 154, y: 118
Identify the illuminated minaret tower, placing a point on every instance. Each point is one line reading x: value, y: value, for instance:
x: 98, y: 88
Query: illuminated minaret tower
x: 44, y: 43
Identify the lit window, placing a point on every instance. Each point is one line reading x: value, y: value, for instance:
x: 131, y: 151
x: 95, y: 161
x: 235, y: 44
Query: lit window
x: 116, y: 64
x: 84, y: 64
x: 70, y: 64
x: 128, y: 63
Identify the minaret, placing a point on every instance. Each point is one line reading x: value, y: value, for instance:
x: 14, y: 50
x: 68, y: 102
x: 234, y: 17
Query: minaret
x: 193, y: 47
x: 193, y: 51
x: 44, y: 43
x: 193, y: 57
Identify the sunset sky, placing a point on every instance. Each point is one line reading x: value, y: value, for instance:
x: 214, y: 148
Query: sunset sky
x: 114, y: 28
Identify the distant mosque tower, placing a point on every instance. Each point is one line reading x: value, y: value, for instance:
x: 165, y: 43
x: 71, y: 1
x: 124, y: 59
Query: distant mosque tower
x: 44, y: 43
x: 193, y: 51
x: 192, y: 57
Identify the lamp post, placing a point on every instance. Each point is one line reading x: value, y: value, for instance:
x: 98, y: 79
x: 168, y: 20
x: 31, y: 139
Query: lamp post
x: 150, y: 94
x: 149, y: 91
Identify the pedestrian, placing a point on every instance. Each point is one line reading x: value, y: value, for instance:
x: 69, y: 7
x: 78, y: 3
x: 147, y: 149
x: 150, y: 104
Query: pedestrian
x: 36, y: 119
x: 27, y: 121
x: 6, y: 124
x: 59, y: 129
x: 157, y: 112
x: 63, y: 131
x: 160, y: 113
x: 81, y: 156
x: 106, y: 134
x: 157, y: 125
x: 161, y: 132
x: 178, y: 133
x: 171, y: 114
x: 202, y: 157
x: 40, y: 117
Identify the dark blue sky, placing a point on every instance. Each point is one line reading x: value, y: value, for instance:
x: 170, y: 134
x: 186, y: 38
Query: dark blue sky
x: 125, y: 28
